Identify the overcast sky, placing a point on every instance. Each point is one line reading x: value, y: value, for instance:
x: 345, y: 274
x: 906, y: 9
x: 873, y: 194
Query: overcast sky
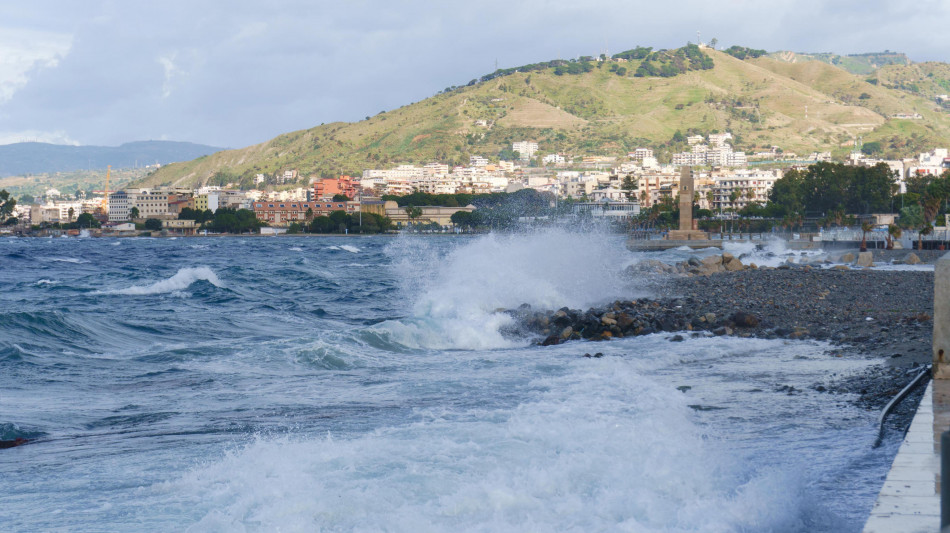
x: 237, y: 72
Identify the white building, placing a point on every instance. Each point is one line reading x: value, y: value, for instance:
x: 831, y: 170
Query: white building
x: 719, y: 139
x: 553, y: 159
x: 640, y: 154
x: 526, y: 149
x: 749, y: 186
x: 121, y: 202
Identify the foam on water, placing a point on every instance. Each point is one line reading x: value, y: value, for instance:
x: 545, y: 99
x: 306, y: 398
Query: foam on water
x: 351, y: 249
x: 67, y: 260
x: 599, y: 448
x: 456, y: 292
x: 175, y: 284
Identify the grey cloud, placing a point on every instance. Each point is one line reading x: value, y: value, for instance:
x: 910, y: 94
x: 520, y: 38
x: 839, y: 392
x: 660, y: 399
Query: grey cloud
x: 245, y: 72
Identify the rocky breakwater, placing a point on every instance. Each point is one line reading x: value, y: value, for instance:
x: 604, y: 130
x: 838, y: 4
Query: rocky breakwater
x: 879, y: 314
x: 885, y: 313
x: 629, y: 319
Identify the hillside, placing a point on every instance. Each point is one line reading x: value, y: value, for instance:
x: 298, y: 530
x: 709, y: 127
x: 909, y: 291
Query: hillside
x: 859, y: 64
x: 42, y: 158
x: 601, y: 108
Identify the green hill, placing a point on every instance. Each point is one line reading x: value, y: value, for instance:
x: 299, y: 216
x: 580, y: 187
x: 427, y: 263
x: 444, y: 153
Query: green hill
x: 602, y: 108
x: 860, y: 64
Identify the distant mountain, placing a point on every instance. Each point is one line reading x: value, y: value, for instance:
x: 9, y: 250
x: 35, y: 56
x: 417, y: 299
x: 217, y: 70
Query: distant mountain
x: 38, y: 158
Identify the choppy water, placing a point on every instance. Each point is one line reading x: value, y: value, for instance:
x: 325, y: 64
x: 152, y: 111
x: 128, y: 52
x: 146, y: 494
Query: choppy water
x: 321, y: 384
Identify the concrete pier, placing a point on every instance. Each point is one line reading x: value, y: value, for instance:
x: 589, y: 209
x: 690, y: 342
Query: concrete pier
x: 909, y: 502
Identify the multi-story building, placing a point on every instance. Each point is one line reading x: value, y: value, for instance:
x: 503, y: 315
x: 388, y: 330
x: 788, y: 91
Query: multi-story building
x: 179, y: 201
x: 640, y: 154
x: 152, y: 204
x: 330, y: 187
x: 277, y: 213
x: 121, y: 202
x: 526, y: 149
x: 719, y: 139
x: 736, y: 189
x: 435, y: 169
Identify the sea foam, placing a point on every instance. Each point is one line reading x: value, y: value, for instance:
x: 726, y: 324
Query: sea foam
x: 456, y: 292
x: 600, y: 449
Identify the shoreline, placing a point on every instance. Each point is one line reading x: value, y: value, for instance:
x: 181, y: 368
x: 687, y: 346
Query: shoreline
x: 884, y: 316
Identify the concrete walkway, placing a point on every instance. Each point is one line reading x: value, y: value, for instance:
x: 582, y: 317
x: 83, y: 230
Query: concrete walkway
x: 909, y: 501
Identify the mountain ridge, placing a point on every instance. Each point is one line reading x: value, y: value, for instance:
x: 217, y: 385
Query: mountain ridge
x: 592, y: 108
x: 43, y: 158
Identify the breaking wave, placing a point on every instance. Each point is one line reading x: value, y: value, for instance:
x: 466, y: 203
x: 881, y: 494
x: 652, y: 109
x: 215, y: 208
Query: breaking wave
x: 180, y: 281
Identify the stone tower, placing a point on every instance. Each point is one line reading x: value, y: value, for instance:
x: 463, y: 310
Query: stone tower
x: 686, y: 192
x: 686, y: 198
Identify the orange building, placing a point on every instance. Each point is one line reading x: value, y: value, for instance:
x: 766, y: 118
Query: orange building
x: 282, y: 213
x: 328, y: 187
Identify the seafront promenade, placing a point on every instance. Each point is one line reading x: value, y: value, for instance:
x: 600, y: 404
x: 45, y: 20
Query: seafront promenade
x: 909, y: 501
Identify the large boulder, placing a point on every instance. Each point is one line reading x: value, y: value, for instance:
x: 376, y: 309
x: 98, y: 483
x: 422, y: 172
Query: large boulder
x: 744, y: 320
x: 912, y: 259
x: 865, y: 259
x: 712, y: 261
x: 652, y: 266
x: 733, y: 265
x: 847, y: 258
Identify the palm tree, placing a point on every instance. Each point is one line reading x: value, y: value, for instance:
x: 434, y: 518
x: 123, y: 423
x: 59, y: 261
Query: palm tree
x: 893, y: 232
x: 413, y: 213
x: 71, y: 213
x: 733, y: 196
x: 133, y: 213
x: 865, y: 228
x: 925, y: 229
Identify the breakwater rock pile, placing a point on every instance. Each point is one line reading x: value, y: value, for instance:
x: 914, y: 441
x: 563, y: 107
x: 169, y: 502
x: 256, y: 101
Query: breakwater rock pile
x: 628, y: 319
x: 882, y: 313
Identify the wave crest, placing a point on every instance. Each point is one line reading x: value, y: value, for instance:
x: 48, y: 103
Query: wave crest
x: 180, y: 281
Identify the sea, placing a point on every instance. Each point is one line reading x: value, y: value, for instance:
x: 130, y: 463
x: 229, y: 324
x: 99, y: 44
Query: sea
x: 372, y: 384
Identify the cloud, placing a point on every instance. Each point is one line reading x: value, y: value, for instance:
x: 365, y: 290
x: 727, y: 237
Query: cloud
x: 238, y: 72
x: 168, y: 63
x: 23, y: 51
x: 52, y: 137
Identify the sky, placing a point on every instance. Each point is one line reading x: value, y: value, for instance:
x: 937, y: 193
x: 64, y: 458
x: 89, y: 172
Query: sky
x: 231, y: 73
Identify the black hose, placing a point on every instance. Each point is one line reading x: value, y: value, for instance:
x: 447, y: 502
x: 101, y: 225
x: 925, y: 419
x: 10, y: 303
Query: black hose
x: 896, y: 400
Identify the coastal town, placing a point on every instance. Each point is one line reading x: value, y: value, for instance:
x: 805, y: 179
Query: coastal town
x: 726, y: 181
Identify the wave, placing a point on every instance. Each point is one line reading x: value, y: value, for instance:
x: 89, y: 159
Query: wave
x: 10, y: 431
x: 67, y: 260
x: 456, y: 294
x: 351, y: 249
x: 601, y: 449
x: 180, y: 281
